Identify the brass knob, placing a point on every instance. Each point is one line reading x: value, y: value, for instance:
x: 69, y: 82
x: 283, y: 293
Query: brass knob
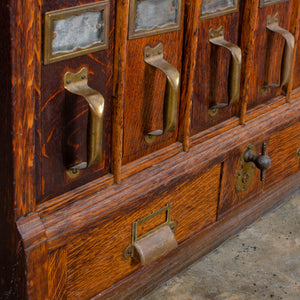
x: 262, y: 161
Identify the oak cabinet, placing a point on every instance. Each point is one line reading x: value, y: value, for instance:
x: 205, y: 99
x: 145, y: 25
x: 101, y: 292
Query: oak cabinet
x: 139, y: 135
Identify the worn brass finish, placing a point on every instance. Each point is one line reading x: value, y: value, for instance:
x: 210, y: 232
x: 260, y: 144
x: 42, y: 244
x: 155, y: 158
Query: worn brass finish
x: 213, y: 111
x: 77, y: 83
x: 61, y: 14
x: 73, y: 173
x: 223, y: 12
x: 262, y: 161
x: 264, y: 3
x: 133, y: 34
x: 216, y: 37
x: 248, y: 162
x: 246, y: 173
x: 153, y: 244
x: 155, y: 58
x: 287, y: 60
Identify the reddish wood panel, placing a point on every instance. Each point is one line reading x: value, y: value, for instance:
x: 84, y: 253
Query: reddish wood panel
x: 95, y: 257
x: 212, y: 73
x: 296, y: 82
x: 283, y: 147
x: 63, y: 119
x: 295, y: 30
x: 267, y: 57
x: 145, y: 88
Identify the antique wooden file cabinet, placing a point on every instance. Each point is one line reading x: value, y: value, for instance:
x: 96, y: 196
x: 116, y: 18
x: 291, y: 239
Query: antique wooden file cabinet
x: 138, y: 135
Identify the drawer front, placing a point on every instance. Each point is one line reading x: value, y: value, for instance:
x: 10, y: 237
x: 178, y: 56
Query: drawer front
x: 93, y: 260
x: 284, y: 151
x: 268, y: 56
x: 213, y: 73
x: 147, y: 95
x: 64, y: 117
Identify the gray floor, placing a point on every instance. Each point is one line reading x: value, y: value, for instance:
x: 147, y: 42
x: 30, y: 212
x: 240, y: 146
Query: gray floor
x: 262, y: 262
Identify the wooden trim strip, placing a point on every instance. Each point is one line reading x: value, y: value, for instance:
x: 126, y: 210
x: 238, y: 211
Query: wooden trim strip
x: 122, y: 17
x: 193, y: 9
x: 26, y: 60
x: 250, y: 16
x: 295, y: 28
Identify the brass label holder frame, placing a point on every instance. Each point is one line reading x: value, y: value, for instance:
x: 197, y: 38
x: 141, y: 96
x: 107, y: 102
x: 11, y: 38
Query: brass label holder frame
x: 287, y: 60
x: 133, y: 34
x: 154, y: 243
x: 155, y: 58
x: 77, y: 83
x: 216, y: 37
x: 220, y: 12
x: 61, y: 14
x: 264, y: 3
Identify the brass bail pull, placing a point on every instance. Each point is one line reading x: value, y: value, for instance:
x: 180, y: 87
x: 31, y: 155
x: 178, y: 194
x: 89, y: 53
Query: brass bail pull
x: 287, y: 60
x: 216, y: 37
x: 155, y: 58
x: 155, y: 243
x: 77, y: 83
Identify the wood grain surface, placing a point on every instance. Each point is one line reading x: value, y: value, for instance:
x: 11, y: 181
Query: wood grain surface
x: 295, y: 30
x: 296, y: 23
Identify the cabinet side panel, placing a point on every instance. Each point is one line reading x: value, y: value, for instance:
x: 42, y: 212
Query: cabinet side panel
x: 12, y: 284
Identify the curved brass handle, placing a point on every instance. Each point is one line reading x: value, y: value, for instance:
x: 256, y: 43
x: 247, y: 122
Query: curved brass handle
x: 287, y: 61
x: 216, y: 37
x: 155, y: 58
x: 77, y: 83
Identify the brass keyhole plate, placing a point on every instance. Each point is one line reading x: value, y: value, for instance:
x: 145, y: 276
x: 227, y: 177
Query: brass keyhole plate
x: 246, y: 174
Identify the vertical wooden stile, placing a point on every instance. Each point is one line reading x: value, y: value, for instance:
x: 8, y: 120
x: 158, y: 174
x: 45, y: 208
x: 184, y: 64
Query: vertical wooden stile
x: 119, y: 86
x: 295, y: 28
x: 248, y: 37
x: 26, y: 59
x: 193, y: 9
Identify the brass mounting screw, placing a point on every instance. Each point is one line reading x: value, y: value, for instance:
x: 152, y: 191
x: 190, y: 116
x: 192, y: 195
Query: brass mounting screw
x: 298, y: 153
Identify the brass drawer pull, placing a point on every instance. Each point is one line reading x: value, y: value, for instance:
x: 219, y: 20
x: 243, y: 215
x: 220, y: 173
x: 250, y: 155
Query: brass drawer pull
x: 155, y: 58
x: 155, y: 243
x: 77, y: 83
x: 216, y: 37
x: 287, y: 60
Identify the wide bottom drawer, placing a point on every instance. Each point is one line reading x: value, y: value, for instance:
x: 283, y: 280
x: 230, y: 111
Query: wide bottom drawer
x: 93, y: 259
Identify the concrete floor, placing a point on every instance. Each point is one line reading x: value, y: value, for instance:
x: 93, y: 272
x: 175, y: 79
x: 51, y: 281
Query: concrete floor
x: 262, y: 262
